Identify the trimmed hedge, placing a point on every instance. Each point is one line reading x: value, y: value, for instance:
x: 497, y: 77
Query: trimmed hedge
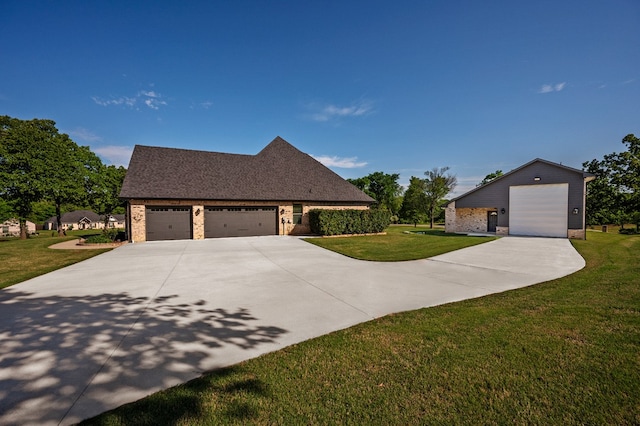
x: 98, y: 239
x: 340, y: 222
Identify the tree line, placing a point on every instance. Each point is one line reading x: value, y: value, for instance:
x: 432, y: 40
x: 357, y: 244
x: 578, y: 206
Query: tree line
x: 612, y: 198
x: 44, y: 171
x: 421, y: 201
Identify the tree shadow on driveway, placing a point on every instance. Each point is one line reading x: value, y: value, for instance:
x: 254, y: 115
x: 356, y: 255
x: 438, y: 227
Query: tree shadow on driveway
x: 63, y: 359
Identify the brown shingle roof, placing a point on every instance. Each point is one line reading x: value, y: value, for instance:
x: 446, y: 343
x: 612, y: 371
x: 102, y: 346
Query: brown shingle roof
x: 279, y: 172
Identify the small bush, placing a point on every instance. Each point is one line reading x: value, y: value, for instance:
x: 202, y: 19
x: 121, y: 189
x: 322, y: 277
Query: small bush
x: 628, y: 231
x: 340, y: 222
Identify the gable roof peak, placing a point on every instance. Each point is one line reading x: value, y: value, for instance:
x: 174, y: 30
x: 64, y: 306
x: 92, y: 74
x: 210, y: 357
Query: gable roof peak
x: 277, y: 145
x: 585, y: 175
x: 279, y: 172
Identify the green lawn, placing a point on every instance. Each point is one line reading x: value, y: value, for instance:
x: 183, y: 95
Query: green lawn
x: 24, y: 259
x: 562, y: 352
x: 400, y: 243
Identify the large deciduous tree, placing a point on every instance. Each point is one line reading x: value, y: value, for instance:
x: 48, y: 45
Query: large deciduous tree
x: 438, y: 185
x: 25, y: 166
x: 626, y: 175
x: 491, y: 176
x: 74, y: 166
x: 104, y: 191
x: 382, y: 187
x: 414, y: 204
x: 614, y: 196
x: 38, y: 163
x: 603, y: 198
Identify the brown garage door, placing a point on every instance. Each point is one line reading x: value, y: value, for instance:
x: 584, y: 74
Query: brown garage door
x: 239, y: 221
x: 168, y: 223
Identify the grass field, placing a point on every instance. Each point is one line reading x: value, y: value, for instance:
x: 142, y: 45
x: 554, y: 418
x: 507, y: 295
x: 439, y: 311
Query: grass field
x: 399, y: 243
x: 562, y: 352
x: 24, y: 259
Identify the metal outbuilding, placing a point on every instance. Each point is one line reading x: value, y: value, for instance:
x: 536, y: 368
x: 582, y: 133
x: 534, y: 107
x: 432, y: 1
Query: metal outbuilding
x: 540, y: 198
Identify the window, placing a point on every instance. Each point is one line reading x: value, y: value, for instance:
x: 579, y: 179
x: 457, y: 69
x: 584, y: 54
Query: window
x: 297, y: 214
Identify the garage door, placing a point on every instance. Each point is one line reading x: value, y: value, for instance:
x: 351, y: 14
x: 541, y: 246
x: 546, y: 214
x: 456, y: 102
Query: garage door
x: 239, y: 221
x: 168, y: 223
x: 539, y: 210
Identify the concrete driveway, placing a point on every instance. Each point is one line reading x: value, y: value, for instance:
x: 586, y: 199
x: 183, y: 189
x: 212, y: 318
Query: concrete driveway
x: 110, y: 330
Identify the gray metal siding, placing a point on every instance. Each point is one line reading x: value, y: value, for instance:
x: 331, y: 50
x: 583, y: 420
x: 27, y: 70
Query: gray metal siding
x: 496, y: 194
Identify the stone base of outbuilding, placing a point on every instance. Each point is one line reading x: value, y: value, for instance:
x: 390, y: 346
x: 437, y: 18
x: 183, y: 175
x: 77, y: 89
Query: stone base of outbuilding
x: 466, y: 219
x: 576, y: 234
x: 502, y: 230
x: 474, y: 220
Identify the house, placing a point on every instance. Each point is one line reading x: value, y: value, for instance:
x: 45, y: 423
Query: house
x: 185, y: 194
x: 540, y: 198
x: 84, y: 219
x: 11, y: 228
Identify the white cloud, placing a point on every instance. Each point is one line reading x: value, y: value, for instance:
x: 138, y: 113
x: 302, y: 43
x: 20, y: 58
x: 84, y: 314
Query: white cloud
x: 84, y: 135
x: 548, y: 88
x: 115, y: 154
x: 329, y: 112
x: 343, y: 163
x: 123, y: 100
x: 150, y: 98
x: 154, y: 103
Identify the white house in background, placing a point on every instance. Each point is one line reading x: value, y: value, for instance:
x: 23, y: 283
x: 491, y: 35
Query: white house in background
x: 11, y: 227
x: 84, y: 219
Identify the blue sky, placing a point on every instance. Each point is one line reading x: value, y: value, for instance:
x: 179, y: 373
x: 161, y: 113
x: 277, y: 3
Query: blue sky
x: 399, y: 87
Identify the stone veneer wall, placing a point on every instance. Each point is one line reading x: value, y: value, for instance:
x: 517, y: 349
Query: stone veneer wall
x: 285, y: 210
x: 502, y: 230
x: 576, y: 234
x: 465, y: 220
x: 450, y: 217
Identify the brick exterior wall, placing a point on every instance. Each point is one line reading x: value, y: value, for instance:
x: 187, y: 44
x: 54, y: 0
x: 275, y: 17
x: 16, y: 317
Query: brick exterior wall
x: 197, y: 221
x: 284, y: 211
x: 137, y: 223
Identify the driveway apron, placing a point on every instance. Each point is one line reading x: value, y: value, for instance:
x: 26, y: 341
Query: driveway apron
x: 144, y: 317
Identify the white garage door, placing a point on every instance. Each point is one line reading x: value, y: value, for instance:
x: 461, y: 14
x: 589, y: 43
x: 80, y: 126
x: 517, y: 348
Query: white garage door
x: 539, y: 210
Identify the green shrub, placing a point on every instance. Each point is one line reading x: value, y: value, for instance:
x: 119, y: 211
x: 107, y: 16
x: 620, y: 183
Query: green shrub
x: 110, y: 233
x: 628, y: 231
x: 340, y: 222
x: 98, y: 239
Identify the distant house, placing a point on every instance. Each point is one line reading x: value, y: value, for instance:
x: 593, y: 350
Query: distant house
x: 11, y: 228
x: 540, y: 198
x: 184, y: 194
x: 84, y: 219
